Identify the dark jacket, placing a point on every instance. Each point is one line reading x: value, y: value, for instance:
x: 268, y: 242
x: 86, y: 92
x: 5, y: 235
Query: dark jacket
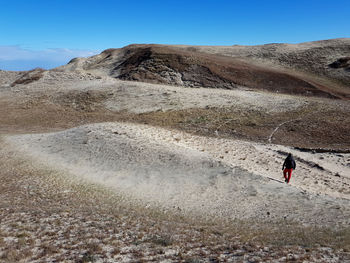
x: 289, y: 162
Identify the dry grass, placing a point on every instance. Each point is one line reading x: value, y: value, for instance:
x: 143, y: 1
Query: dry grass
x: 163, y: 240
x: 313, y: 127
x: 320, y: 124
x: 292, y: 234
x: 46, y: 215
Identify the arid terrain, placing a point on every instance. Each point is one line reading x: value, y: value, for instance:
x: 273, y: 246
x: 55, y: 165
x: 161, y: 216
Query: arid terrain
x: 174, y: 154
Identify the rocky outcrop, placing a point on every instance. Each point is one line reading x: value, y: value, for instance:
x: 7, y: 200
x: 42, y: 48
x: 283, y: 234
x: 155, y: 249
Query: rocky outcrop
x: 29, y: 77
x: 341, y: 63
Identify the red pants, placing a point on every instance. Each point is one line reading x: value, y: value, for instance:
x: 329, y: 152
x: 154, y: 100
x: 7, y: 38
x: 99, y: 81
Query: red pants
x: 289, y: 171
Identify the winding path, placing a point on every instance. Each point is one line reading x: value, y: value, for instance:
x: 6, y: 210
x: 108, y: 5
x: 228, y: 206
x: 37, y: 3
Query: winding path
x: 278, y: 126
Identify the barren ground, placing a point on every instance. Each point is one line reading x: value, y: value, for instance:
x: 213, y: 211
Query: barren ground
x: 97, y: 169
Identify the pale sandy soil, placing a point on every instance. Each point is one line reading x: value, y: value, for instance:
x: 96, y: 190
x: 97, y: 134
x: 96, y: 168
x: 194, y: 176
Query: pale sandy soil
x: 143, y: 97
x: 215, y: 177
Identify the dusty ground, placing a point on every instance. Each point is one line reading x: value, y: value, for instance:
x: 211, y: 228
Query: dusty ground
x: 169, y: 178
x: 197, y: 174
x: 48, y: 217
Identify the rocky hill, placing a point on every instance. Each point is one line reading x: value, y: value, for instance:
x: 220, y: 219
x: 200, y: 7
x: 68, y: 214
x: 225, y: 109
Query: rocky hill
x: 318, y: 68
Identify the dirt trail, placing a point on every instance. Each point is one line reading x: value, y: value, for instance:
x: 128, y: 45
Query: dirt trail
x: 276, y: 129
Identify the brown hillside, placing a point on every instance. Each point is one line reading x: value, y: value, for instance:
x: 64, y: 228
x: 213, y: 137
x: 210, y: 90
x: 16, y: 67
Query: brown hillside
x: 194, y: 69
x: 309, y: 69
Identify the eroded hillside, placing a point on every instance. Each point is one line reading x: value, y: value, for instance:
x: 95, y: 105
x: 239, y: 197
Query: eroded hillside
x: 311, y: 69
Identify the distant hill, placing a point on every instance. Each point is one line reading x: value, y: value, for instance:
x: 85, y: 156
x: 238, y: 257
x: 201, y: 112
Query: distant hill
x: 320, y: 68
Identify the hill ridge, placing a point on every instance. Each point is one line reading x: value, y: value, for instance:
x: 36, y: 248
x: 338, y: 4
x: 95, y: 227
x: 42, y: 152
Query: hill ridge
x: 305, y: 69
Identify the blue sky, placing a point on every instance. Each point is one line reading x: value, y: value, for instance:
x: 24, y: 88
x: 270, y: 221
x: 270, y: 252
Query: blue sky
x: 37, y: 33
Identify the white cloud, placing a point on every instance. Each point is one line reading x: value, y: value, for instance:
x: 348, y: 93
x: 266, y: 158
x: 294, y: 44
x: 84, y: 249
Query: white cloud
x: 18, y: 58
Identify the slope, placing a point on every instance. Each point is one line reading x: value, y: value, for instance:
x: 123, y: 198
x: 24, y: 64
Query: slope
x: 311, y: 69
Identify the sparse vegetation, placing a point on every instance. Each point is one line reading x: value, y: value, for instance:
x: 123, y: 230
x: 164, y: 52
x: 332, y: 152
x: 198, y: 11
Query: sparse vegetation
x: 163, y: 240
x: 49, y: 215
x: 257, y: 126
x: 67, y: 206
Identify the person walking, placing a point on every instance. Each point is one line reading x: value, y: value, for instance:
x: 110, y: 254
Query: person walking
x: 288, y: 167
